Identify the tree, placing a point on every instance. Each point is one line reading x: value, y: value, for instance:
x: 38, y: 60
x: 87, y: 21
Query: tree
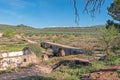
x: 111, y: 22
x: 108, y: 38
x: 114, y: 10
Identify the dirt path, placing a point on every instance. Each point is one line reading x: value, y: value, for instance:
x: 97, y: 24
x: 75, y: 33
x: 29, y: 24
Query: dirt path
x: 21, y: 74
x: 35, y: 70
x: 109, y: 73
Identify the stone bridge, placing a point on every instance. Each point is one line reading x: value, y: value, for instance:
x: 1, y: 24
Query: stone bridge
x: 57, y: 48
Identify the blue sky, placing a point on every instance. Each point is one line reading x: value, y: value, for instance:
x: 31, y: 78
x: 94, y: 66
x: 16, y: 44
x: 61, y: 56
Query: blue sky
x: 46, y: 13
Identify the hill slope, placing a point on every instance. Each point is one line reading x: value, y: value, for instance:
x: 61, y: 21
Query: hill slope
x: 29, y: 30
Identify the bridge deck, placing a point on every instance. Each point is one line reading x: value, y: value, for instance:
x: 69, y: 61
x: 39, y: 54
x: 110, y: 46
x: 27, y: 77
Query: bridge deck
x: 59, y: 48
x: 61, y: 45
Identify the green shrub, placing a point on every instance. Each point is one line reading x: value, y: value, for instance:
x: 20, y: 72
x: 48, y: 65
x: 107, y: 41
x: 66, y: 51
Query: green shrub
x: 97, y: 65
x: 9, y: 32
x: 35, y: 48
x: 112, y: 59
x: 108, y: 38
x: 117, y: 61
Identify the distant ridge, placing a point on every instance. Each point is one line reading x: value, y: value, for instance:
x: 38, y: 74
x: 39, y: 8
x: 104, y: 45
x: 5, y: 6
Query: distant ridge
x: 30, y: 30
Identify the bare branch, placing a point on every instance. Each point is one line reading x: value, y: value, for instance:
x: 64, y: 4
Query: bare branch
x: 92, y: 6
x: 76, y: 13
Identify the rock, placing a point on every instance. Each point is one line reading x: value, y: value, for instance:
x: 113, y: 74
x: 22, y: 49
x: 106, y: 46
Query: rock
x: 45, y: 57
x: 45, y: 69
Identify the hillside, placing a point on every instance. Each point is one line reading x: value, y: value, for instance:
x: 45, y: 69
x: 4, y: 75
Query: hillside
x: 30, y: 30
x: 86, y: 38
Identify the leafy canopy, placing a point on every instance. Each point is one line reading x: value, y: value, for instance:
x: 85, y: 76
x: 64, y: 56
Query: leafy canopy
x: 108, y: 37
x: 114, y: 10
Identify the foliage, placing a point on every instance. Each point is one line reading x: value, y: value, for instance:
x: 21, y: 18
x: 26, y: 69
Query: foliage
x: 9, y: 32
x: 111, y: 22
x: 14, y: 47
x: 112, y: 59
x: 97, y: 65
x: 108, y: 37
x: 114, y: 10
x: 35, y: 48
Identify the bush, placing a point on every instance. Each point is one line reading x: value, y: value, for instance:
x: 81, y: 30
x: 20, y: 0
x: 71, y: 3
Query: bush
x: 35, y: 48
x: 97, y: 65
x: 112, y: 59
x: 108, y: 38
x: 9, y: 32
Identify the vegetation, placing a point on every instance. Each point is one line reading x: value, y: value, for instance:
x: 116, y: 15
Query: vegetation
x: 112, y: 59
x: 11, y: 48
x: 73, y: 36
x: 34, y: 48
x: 108, y: 38
x: 9, y: 32
x: 85, y: 38
x: 60, y: 30
x: 69, y: 72
x: 113, y: 11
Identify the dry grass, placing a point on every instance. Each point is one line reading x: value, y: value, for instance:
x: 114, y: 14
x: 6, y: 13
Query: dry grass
x: 54, y: 59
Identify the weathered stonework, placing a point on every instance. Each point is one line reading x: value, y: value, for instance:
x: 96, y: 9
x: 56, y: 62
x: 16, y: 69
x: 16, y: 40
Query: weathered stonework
x: 13, y: 59
x: 62, y: 50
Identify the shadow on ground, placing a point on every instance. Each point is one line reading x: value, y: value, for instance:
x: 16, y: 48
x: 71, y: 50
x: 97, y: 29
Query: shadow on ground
x: 36, y: 78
